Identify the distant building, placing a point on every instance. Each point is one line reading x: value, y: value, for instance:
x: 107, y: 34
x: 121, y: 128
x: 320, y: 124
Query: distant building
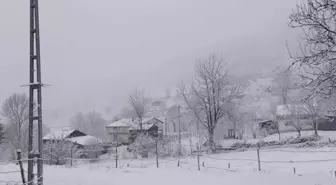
x: 125, y: 130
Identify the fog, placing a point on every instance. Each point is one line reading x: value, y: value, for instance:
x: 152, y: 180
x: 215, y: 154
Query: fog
x: 95, y: 52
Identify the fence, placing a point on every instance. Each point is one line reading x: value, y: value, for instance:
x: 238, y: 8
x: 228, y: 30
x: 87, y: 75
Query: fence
x: 257, y: 160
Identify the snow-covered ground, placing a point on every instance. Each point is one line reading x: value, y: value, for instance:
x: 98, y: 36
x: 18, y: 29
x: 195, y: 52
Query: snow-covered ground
x: 325, y: 136
x: 183, y: 176
x: 313, y: 167
x: 166, y: 176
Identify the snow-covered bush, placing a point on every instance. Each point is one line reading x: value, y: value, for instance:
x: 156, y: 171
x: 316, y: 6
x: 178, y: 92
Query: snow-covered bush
x: 59, y: 152
x: 297, y: 140
x: 143, y: 145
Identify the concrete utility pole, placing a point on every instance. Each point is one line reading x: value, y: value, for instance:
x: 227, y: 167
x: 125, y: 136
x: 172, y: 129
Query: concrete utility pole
x: 35, y: 86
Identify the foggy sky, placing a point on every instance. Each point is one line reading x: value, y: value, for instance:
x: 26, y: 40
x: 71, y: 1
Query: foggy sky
x: 94, y: 52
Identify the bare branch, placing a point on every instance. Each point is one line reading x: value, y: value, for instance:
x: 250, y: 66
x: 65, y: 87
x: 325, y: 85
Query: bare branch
x: 318, y: 54
x: 209, y: 93
x: 15, y: 109
x: 139, y: 104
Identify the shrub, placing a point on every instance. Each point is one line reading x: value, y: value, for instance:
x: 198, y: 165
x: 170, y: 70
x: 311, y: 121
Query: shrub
x: 143, y: 145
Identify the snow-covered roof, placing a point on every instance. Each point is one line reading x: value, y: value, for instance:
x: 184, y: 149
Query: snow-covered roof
x: 122, y: 123
x: 144, y: 127
x: 163, y: 119
x: 86, y: 140
x: 60, y: 134
x: 147, y: 119
x: 130, y: 123
x: 286, y: 110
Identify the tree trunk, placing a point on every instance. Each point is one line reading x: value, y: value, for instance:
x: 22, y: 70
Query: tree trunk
x: 254, y: 136
x: 299, y: 132
x: 278, y: 130
x: 315, y: 128
x: 212, y: 144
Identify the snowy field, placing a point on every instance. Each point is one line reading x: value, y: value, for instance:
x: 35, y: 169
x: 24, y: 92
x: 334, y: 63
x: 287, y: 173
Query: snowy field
x: 164, y: 176
x: 313, y: 167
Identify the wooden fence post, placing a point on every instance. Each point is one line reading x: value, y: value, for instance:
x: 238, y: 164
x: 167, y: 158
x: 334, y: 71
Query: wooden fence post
x: 21, y: 166
x: 198, y: 158
x: 50, y: 155
x: 157, y: 155
x: 258, y: 154
x: 71, y: 156
x: 116, y: 159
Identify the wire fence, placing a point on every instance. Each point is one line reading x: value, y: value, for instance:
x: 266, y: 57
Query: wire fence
x: 256, y: 160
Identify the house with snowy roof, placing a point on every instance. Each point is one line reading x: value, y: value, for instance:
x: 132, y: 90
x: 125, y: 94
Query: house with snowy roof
x: 125, y: 130
x: 78, y: 139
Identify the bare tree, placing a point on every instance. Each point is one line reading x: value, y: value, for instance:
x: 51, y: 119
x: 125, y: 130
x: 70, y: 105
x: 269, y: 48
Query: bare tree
x: 139, y: 104
x: 317, y: 59
x: 78, y: 122
x: 284, y: 85
x: 315, y: 111
x: 277, y: 126
x: 238, y: 118
x: 91, y: 123
x: 2, y: 133
x: 209, y: 94
x: 295, y: 112
x: 15, y: 110
x: 126, y: 113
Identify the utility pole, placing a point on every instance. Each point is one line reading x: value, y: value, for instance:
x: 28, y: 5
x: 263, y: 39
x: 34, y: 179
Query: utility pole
x: 35, y: 86
x: 179, y: 125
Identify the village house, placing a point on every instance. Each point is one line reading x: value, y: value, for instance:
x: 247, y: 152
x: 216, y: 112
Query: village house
x: 286, y: 114
x: 89, y: 145
x: 124, y: 131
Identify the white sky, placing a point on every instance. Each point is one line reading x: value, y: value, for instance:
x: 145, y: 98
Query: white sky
x: 94, y: 52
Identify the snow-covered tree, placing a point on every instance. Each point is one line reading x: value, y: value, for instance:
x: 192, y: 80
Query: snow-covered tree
x: 316, y: 59
x: 15, y: 110
x: 209, y: 94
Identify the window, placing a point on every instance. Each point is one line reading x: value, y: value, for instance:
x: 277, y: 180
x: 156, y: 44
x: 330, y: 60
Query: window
x: 115, y: 136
